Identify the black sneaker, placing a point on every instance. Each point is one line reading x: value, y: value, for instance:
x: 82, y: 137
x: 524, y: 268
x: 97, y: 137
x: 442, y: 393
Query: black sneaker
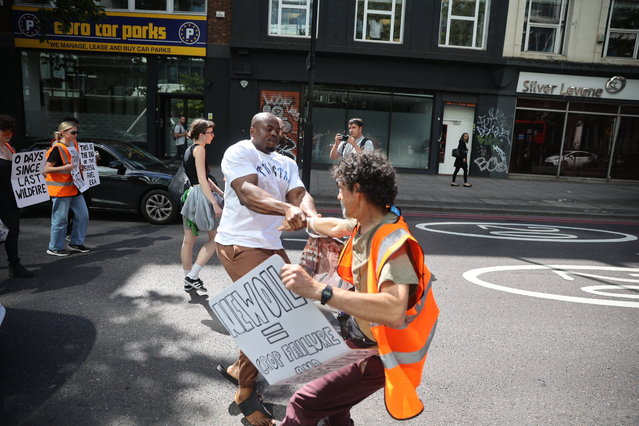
x: 19, y: 271
x: 80, y: 248
x: 193, y: 284
x: 58, y: 252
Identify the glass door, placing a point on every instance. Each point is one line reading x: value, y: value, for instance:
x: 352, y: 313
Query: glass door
x: 173, y: 107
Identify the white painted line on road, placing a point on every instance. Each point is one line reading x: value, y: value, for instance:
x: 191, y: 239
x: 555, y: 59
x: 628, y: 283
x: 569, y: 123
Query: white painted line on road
x: 561, y: 270
x: 527, y: 232
x: 596, y: 289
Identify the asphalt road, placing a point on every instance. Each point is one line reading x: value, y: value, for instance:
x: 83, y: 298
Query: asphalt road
x: 539, y: 325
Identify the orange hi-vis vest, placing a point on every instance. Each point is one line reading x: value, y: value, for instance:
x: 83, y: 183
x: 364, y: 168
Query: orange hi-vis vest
x: 60, y: 184
x: 402, y: 350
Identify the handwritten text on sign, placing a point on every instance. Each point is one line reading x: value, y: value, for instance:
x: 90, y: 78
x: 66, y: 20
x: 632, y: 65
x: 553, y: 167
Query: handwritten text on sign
x: 86, y: 176
x: 285, y: 336
x: 27, y: 179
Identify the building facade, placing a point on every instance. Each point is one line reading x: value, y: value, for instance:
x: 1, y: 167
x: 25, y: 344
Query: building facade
x: 544, y: 87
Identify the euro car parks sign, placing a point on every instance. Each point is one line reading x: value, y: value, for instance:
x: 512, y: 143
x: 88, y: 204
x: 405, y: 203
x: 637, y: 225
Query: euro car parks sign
x: 27, y: 178
x: 118, y: 32
x: 285, y: 335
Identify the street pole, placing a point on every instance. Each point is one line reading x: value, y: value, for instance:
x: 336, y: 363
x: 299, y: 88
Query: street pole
x: 307, y: 149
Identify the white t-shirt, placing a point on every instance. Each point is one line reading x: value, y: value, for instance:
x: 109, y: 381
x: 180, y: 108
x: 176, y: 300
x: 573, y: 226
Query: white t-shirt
x: 276, y: 174
x: 345, y: 148
x: 179, y: 129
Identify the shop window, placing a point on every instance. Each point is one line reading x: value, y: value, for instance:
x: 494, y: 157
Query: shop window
x: 290, y: 18
x: 182, y: 6
x: 379, y: 20
x: 541, y: 104
x: 106, y: 93
x: 463, y: 23
x: 625, y: 163
x: 544, y: 26
x: 114, y: 4
x: 622, y: 37
x: 536, y: 142
x: 181, y: 75
x: 150, y: 4
x: 399, y: 125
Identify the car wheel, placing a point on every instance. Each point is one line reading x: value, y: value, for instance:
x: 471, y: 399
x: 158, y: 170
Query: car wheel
x: 158, y: 207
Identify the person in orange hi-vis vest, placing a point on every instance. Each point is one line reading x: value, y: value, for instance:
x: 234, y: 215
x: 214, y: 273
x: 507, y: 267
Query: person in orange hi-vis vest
x: 62, y: 158
x: 389, y: 306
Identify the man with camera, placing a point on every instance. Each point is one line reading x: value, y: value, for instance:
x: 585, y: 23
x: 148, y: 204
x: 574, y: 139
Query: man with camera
x: 353, y: 142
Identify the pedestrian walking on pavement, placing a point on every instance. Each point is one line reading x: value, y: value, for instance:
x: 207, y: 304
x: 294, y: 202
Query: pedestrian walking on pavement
x: 62, y: 158
x: 262, y: 186
x: 201, y: 210
x: 9, y: 212
x: 460, y: 160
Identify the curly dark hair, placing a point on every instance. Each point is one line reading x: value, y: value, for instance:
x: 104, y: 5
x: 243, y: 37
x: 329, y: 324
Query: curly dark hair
x: 374, y: 174
x: 199, y: 126
x: 7, y: 123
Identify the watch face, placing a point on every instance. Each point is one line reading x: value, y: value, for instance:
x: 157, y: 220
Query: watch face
x: 327, y: 293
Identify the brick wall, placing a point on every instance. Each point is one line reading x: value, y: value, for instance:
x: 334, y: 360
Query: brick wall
x: 219, y: 29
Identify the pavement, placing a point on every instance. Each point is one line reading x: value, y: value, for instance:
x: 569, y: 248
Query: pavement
x: 515, y: 195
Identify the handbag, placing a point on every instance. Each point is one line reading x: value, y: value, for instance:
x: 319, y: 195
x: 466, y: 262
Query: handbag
x: 456, y: 153
x: 4, y: 231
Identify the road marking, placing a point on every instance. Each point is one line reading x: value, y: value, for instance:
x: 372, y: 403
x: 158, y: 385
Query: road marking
x: 528, y: 232
x: 562, y: 271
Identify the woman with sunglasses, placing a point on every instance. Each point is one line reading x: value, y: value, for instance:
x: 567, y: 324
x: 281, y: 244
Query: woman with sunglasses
x: 62, y: 158
x: 201, y: 211
x: 9, y: 212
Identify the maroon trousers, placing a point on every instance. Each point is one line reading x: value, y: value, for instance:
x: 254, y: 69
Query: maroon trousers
x: 333, y: 395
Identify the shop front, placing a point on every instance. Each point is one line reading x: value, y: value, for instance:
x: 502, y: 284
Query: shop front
x: 576, y: 126
x: 129, y: 77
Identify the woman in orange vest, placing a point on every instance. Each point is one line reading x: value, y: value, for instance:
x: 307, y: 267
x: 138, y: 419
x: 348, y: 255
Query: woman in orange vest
x: 62, y: 158
x: 9, y: 212
x: 389, y: 306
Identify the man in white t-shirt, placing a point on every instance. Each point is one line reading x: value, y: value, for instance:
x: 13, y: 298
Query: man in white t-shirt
x: 355, y: 142
x: 262, y: 186
x: 179, y: 133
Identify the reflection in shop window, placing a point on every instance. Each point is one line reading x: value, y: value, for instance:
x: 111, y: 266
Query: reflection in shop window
x: 399, y: 125
x: 106, y: 93
x: 623, y: 29
x: 290, y: 18
x: 181, y: 75
x: 150, y: 4
x: 625, y: 164
x: 114, y: 4
x: 543, y: 27
x: 463, y: 23
x: 378, y: 20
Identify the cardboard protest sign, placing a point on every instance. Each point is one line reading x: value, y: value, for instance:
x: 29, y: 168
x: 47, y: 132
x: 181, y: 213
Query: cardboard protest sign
x: 285, y: 335
x: 27, y: 179
x: 88, y: 160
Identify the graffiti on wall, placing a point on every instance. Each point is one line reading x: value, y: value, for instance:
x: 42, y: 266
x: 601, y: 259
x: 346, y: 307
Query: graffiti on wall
x: 284, y: 105
x: 493, y: 136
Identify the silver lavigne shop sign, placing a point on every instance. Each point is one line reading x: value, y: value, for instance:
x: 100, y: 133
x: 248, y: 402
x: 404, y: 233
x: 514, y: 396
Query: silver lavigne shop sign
x: 577, y: 86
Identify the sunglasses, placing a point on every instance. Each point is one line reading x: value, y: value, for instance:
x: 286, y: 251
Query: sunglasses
x: 75, y: 132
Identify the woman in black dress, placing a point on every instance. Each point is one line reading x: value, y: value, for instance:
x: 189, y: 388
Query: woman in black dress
x: 460, y: 161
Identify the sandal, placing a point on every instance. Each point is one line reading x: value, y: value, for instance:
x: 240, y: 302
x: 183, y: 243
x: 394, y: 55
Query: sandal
x: 222, y: 370
x: 467, y: 185
x: 253, y: 404
x: 454, y: 184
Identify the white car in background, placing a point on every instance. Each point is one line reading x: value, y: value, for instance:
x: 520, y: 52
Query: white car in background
x: 572, y: 159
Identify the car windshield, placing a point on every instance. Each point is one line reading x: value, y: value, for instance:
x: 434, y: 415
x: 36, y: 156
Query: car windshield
x: 139, y: 157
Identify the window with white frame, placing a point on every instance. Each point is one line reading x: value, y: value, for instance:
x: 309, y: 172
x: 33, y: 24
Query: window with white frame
x: 290, y: 18
x: 544, y: 26
x: 463, y: 23
x: 622, y: 37
x: 379, y: 20
x: 182, y: 6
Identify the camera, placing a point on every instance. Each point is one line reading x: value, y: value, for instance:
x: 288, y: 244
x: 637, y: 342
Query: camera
x: 345, y: 137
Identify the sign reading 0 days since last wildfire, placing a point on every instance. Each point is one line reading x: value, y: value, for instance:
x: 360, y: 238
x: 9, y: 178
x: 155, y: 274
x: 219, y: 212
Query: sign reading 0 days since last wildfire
x: 118, y: 32
x: 27, y: 178
x: 285, y: 335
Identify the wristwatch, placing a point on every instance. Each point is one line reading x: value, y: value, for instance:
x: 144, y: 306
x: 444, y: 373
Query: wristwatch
x: 327, y: 293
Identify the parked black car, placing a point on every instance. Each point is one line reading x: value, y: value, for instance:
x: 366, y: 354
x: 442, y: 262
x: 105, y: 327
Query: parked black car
x: 131, y: 179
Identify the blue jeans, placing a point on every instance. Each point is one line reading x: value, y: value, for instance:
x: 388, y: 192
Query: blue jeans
x: 59, y: 217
